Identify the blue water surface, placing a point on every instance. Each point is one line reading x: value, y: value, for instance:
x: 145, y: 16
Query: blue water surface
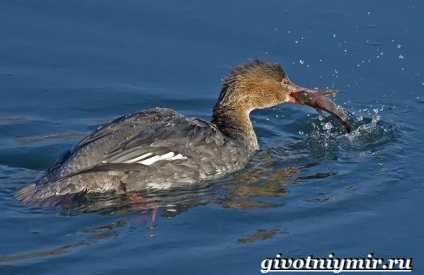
x: 67, y: 67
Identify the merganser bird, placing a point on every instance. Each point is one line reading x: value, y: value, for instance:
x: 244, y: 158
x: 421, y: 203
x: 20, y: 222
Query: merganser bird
x: 161, y: 149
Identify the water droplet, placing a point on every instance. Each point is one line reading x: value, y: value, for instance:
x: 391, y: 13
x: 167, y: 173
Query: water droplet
x: 399, y: 46
x: 401, y: 56
x: 301, y: 133
x: 296, y: 41
x: 334, y: 35
x: 327, y: 126
x: 301, y: 61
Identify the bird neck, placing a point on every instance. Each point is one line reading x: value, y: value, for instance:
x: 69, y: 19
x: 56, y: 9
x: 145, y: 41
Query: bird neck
x: 235, y: 123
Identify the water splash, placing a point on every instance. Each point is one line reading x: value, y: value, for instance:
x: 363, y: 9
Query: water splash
x: 369, y: 131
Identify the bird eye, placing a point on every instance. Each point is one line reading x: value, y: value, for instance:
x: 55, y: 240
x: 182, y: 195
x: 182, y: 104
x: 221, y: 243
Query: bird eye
x: 285, y: 81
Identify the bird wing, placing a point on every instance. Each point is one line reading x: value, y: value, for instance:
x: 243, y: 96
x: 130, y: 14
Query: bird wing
x: 143, y: 138
x: 138, y: 120
x: 106, y: 137
x: 175, y: 139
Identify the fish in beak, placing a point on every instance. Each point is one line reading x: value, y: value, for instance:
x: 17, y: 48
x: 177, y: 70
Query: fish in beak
x: 317, y: 99
x: 320, y: 101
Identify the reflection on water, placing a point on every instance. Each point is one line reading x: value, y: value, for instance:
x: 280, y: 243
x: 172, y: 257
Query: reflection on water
x: 94, y: 235
x: 260, y: 235
x: 258, y: 183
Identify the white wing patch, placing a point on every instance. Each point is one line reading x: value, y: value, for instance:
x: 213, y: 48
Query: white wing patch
x: 149, y: 158
x: 138, y: 158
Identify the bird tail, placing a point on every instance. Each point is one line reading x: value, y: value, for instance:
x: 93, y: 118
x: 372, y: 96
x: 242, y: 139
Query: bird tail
x: 31, y: 195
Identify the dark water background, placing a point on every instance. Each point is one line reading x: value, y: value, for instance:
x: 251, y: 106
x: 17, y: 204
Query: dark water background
x: 68, y: 66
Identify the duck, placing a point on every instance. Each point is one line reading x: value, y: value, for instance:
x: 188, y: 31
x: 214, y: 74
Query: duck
x: 161, y: 149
